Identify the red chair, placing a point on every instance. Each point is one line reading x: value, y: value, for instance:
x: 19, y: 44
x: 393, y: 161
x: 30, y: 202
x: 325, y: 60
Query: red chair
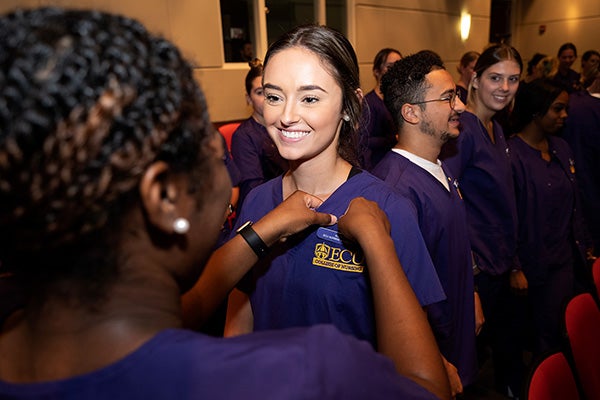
x: 553, y: 379
x: 596, y: 273
x: 227, y: 131
x: 582, y: 320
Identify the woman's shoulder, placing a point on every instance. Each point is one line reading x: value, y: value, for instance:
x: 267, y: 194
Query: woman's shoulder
x: 560, y: 145
x: 249, y: 127
x: 388, y: 197
x: 467, y: 118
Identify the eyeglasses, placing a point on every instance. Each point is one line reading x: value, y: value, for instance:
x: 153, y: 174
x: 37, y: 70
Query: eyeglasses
x: 450, y: 98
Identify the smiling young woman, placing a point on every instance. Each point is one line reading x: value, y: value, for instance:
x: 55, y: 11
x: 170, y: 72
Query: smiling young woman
x: 480, y: 159
x: 312, y: 110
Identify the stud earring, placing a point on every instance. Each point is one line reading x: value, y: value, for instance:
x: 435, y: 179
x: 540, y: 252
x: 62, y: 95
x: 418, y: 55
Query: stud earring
x: 181, y: 226
x: 346, y: 117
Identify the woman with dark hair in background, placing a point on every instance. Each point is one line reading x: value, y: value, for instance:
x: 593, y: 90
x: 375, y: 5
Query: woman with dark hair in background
x: 566, y: 77
x: 480, y: 158
x: 252, y: 149
x: 378, y: 131
x: 551, y: 235
x: 589, y: 60
x: 465, y: 71
x: 112, y: 193
x: 532, y: 73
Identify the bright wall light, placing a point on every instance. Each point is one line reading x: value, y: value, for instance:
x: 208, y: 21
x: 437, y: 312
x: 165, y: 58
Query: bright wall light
x: 465, y: 25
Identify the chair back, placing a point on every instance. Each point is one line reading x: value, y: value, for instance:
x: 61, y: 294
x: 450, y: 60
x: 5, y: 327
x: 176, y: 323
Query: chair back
x: 227, y: 131
x: 596, y: 273
x: 582, y: 320
x: 553, y: 379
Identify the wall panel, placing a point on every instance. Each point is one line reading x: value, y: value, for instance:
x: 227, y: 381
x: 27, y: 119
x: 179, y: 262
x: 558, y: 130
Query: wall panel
x: 224, y: 90
x: 383, y: 23
x: 576, y: 21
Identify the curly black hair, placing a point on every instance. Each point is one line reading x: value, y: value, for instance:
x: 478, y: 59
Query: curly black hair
x: 406, y: 82
x: 88, y: 100
x: 533, y: 100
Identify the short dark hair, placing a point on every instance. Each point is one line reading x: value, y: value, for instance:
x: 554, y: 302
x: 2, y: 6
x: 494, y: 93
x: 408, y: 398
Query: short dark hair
x: 339, y: 58
x: 406, y: 82
x: 533, y: 99
x: 89, y: 101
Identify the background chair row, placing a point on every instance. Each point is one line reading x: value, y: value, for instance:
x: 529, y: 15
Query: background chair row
x: 575, y: 372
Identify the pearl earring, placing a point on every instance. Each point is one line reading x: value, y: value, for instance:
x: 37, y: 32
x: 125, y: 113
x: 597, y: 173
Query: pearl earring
x: 346, y: 117
x: 181, y: 226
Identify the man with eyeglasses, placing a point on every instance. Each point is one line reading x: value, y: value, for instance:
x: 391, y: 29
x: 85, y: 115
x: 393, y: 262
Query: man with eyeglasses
x: 421, y: 96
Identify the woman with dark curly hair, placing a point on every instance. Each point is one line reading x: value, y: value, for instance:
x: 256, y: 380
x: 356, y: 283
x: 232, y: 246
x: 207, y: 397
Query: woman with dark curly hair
x: 112, y: 193
x: 552, y: 240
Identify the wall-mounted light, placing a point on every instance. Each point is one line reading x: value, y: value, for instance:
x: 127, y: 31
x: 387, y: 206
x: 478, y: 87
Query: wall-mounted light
x: 465, y: 25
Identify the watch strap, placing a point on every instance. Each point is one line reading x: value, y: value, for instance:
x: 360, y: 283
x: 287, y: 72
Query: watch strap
x: 254, y: 241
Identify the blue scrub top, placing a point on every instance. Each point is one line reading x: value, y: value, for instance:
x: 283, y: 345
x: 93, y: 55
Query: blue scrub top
x: 442, y: 220
x: 302, y: 364
x: 484, y: 172
x: 315, y: 278
x: 582, y: 132
x: 377, y: 132
x: 547, y: 198
x: 255, y: 155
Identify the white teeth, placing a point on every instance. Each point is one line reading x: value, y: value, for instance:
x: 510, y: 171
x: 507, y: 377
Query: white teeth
x: 294, y: 134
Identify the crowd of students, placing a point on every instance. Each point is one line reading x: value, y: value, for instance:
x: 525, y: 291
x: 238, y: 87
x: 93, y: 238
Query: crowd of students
x: 381, y: 243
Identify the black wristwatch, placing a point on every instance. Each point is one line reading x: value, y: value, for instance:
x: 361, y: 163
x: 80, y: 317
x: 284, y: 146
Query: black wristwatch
x: 254, y: 241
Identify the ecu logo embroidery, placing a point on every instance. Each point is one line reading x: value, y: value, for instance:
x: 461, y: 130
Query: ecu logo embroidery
x: 338, y: 258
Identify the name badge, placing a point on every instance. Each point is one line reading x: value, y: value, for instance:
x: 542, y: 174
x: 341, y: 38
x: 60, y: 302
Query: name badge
x: 328, y: 234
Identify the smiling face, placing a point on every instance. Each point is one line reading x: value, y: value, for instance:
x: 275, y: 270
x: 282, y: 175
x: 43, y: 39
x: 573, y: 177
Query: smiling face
x: 303, y: 105
x: 554, y: 118
x: 439, y: 118
x: 497, y: 85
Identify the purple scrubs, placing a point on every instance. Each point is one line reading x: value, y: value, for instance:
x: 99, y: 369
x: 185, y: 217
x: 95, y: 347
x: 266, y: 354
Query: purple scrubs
x: 378, y: 130
x: 316, y: 278
x: 441, y: 216
x: 484, y: 172
x: 582, y: 132
x: 485, y: 176
x: 255, y: 155
x: 314, y: 363
x: 546, y: 199
x: 235, y: 176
